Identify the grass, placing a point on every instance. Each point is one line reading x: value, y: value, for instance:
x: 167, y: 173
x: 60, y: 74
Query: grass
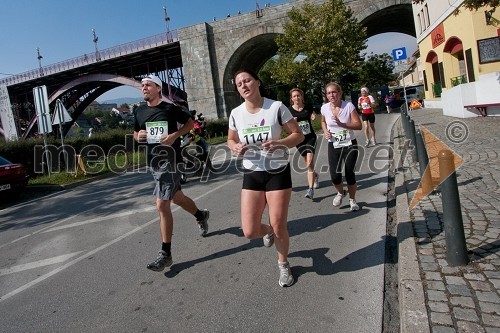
x: 89, y: 169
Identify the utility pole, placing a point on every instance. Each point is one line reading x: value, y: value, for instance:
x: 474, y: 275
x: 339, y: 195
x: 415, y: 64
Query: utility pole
x: 167, y: 20
x: 97, y: 55
x: 39, y: 57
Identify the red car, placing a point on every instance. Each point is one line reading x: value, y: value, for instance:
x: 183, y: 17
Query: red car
x: 13, y: 177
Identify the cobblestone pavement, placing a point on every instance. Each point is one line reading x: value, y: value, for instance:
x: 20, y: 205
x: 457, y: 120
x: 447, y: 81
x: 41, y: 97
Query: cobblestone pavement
x: 463, y: 298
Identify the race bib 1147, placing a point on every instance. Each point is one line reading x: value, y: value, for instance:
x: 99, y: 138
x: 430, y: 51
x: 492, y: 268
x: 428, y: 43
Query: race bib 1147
x: 256, y: 135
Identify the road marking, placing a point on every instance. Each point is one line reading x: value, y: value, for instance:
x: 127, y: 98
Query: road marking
x: 102, y: 247
x: 99, y: 219
x: 39, y: 263
x: 49, y: 227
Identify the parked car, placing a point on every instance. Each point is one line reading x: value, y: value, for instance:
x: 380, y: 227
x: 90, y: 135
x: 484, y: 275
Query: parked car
x: 13, y: 177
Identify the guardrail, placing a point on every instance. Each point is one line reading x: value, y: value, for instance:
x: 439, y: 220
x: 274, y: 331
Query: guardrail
x: 94, y: 57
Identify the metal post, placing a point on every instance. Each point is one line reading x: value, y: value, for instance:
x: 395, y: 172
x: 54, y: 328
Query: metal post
x: 167, y: 20
x: 423, y: 162
x: 413, y: 139
x: 404, y: 120
x: 408, y: 133
x: 97, y: 55
x: 39, y: 57
x: 423, y: 159
x: 456, y: 247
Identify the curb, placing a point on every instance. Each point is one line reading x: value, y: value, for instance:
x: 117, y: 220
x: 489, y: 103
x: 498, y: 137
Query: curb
x: 412, y: 309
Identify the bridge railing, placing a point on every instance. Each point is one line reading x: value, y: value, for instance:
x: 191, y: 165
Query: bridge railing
x: 89, y: 58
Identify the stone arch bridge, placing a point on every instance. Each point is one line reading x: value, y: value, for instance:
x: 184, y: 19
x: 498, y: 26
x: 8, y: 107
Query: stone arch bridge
x: 212, y: 52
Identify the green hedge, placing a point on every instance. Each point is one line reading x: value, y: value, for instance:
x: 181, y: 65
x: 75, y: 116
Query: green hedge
x: 217, y: 128
x: 30, y: 152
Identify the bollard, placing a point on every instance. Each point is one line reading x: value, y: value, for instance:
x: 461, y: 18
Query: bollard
x: 404, y: 120
x: 408, y: 131
x: 411, y: 130
x: 456, y: 247
x: 423, y: 160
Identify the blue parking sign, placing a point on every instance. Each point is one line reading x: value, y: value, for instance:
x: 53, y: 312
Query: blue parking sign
x: 399, y: 54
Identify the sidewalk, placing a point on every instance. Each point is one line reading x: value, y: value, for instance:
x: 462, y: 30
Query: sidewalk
x: 434, y: 296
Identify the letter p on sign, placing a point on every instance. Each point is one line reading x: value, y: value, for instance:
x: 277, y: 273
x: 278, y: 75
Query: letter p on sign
x: 399, y: 54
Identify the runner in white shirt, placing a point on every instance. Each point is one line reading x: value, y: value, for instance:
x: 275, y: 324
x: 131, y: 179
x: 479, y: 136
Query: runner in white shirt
x: 339, y: 119
x: 255, y: 133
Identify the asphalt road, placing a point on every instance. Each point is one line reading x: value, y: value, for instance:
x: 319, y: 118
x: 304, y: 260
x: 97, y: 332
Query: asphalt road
x: 76, y: 260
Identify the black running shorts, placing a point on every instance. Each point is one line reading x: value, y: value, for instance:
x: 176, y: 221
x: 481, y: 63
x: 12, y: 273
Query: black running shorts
x: 278, y: 179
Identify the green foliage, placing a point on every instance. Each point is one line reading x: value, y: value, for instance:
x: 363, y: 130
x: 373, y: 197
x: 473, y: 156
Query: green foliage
x: 111, y: 120
x: 29, y: 152
x: 328, y: 40
x: 276, y: 91
x: 217, y: 128
x: 376, y: 71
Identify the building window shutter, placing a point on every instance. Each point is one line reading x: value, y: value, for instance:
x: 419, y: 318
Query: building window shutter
x: 470, y: 65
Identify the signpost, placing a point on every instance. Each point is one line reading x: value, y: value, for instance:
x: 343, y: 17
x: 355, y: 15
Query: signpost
x: 43, y: 117
x: 61, y: 116
x: 399, y: 56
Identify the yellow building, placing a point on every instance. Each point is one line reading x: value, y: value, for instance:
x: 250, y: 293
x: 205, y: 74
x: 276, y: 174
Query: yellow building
x: 460, y: 54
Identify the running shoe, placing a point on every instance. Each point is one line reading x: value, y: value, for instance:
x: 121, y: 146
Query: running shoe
x: 310, y: 193
x: 286, y: 277
x: 268, y: 240
x: 354, y: 205
x: 203, y: 224
x: 316, y: 181
x: 374, y: 142
x: 161, y: 262
x: 337, y: 201
x: 367, y: 143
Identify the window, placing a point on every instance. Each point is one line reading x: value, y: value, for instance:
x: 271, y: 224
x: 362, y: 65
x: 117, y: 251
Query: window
x: 426, y: 9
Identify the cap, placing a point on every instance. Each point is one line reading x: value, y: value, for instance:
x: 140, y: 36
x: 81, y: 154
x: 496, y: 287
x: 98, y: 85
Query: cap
x: 365, y: 90
x: 152, y: 78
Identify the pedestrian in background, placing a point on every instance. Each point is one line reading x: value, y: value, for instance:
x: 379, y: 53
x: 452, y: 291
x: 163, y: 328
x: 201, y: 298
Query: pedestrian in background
x: 156, y: 125
x: 366, y: 103
x: 255, y: 134
x: 388, y: 102
x: 339, y: 119
x: 307, y: 147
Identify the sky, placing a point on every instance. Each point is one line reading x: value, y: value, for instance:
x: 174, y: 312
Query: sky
x: 62, y: 29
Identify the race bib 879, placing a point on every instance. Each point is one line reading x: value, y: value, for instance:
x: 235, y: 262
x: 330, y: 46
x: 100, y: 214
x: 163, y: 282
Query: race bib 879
x: 156, y: 130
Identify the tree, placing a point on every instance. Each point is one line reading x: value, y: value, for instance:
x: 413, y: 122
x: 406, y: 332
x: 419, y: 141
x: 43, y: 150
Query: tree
x: 321, y: 43
x: 274, y: 90
x: 377, y: 70
x: 111, y: 120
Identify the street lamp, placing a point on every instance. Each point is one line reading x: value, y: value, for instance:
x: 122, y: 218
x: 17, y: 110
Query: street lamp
x: 97, y: 56
x: 167, y: 19
x: 39, y: 57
